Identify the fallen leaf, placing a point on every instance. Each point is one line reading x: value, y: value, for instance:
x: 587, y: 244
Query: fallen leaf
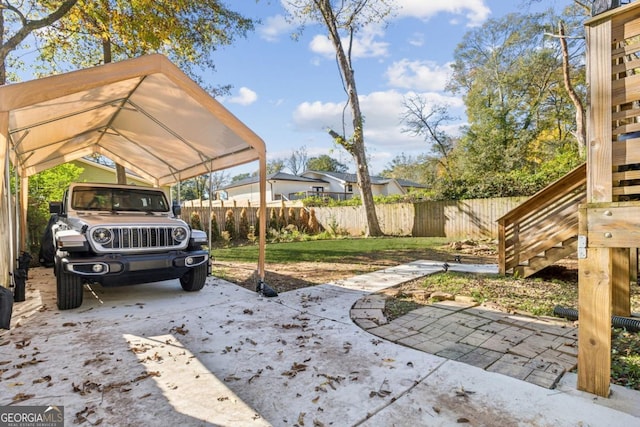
x: 44, y: 379
x: 22, y: 344
x: 295, y: 368
x: 21, y: 397
x: 33, y: 361
x: 146, y: 375
x: 179, y: 329
x: 464, y: 393
x: 380, y: 393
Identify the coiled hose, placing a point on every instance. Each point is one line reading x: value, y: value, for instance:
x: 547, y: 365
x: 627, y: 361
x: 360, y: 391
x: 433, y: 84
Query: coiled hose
x: 630, y: 324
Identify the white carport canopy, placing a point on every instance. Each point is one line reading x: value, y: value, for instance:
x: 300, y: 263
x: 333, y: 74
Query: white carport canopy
x: 143, y: 113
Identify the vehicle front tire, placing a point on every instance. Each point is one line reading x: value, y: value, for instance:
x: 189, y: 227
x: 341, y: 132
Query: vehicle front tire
x: 69, y: 289
x: 194, y: 279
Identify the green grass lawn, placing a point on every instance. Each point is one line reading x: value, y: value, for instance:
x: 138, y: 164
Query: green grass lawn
x: 398, y: 249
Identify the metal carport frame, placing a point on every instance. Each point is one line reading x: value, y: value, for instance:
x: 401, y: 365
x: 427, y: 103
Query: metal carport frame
x: 143, y: 113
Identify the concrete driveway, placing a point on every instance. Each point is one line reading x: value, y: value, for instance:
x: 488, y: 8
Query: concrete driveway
x: 152, y: 355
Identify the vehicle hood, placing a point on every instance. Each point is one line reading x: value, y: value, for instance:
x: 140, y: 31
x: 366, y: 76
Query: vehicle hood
x: 137, y: 219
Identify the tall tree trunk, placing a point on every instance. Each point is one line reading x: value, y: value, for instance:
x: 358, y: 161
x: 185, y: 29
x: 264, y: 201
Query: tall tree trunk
x: 356, y: 146
x: 3, y: 66
x: 121, y: 173
x: 581, y: 132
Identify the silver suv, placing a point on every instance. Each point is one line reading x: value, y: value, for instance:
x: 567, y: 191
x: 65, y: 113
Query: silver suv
x: 119, y: 235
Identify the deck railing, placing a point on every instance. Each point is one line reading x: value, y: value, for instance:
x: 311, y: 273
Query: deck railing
x: 547, y: 220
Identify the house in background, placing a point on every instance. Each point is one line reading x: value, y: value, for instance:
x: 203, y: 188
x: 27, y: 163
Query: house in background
x: 280, y: 186
x: 345, y: 185
x: 335, y: 185
x: 97, y: 172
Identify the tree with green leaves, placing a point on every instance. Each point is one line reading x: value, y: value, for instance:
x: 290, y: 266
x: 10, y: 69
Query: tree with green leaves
x: 342, y: 20
x: 422, y: 169
x: 45, y: 187
x: 188, y: 32
x: 23, y: 19
x: 325, y: 163
x: 239, y: 177
x: 99, y: 32
x: 520, y: 117
x: 275, y: 166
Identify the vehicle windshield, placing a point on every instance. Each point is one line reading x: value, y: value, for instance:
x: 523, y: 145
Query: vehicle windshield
x: 118, y: 199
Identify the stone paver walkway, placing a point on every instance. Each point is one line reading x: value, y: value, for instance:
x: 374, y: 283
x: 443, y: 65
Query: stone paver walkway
x: 538, y: 350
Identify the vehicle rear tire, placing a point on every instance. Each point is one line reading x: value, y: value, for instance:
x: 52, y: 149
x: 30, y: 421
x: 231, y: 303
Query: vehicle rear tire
x: 69, y: 289
x: 194, y: 279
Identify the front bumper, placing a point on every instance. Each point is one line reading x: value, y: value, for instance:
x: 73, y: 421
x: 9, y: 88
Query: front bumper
x: 122, y: 270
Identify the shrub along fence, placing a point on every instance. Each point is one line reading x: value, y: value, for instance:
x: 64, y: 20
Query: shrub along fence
x: 474, y: 218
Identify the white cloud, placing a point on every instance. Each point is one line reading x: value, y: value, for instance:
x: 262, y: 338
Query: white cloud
x: 418, y: 75
x: 417, y: 39
x: 245, y: 97
x: 382, y: 117
x: 275, y: 27
x: 318, y: 116
x: 383, y: 127
x: 366, y: 44
x: 476, y: 11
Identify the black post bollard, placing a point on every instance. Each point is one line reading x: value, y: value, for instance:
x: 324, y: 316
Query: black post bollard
x: 24, y: 261
x: 6, y: 307
x: 19, y: 277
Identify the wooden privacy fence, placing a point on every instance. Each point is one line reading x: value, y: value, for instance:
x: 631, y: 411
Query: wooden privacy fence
x: 475, y: 218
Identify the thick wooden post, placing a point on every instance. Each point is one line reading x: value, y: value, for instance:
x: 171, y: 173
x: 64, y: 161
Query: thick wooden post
x: 595, y: 267
x: 621, y: 290
x: 594, y: 314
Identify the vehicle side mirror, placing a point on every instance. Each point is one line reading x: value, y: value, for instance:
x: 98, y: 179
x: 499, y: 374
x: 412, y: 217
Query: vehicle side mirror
x: 55, y: 208
x: 176, y: 208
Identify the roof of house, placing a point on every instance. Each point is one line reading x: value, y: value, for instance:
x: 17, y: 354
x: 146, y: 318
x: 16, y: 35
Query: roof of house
x: 344, y: 177
x: 407, y: 183
x: 278, y: 176
x: 377, y: 180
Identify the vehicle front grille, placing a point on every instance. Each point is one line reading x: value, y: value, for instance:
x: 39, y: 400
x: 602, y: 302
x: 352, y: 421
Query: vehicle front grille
x: 137, y: 238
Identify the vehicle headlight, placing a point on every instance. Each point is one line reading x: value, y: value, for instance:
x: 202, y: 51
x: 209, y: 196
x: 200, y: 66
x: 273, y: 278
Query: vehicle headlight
x: 179, y: 234
x: 102, y: 235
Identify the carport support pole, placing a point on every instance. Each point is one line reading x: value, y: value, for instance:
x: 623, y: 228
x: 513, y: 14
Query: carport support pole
x: 24, y: 205
x: 6, y: 247
x: 263, y: 216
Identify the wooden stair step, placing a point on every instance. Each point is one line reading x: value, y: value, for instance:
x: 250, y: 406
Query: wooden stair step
x: 550, y: 256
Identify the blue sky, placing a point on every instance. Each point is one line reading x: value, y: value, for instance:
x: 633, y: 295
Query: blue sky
x: 289, y: 92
